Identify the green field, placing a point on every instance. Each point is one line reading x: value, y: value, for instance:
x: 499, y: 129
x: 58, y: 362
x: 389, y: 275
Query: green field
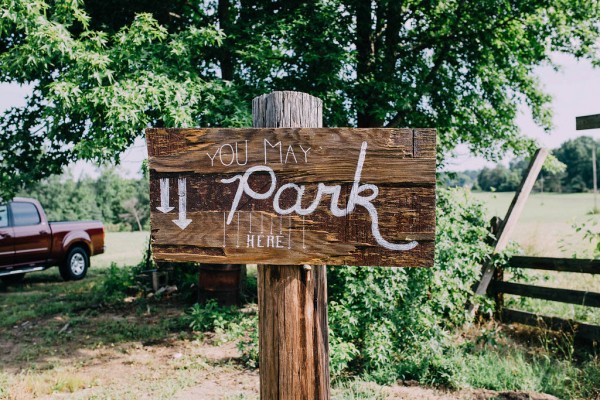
x: 122, y: 248
x: 546, y: 227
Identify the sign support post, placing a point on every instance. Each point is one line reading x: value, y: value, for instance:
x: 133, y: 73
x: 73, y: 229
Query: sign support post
x: 292, y: 300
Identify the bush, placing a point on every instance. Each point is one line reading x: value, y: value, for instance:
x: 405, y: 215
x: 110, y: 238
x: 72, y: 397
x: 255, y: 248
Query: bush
x: 210, y: 316
x: 228, y: 323
x: 117, y: 283
x: 394, y: 323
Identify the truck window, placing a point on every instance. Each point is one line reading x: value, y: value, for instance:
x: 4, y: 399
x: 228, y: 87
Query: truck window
x: 25, y: 214
x: 3, y: 216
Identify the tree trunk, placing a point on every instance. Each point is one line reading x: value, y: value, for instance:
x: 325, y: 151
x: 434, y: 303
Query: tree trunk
x: 365, y: 63
x: 225, y: 56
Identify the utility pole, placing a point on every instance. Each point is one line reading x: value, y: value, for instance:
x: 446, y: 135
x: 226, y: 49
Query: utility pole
x: 591, y: 122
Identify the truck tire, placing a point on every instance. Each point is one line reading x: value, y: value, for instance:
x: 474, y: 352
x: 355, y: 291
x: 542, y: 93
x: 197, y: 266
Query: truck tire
x: 75, y: 265
x: 12, y: 279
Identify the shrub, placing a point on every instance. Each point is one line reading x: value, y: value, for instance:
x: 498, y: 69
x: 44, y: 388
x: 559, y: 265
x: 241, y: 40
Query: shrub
x: 394, y: 323
x: 228, y: 323
x: 116, y: 284
x: 248, y: 344
x: 210, y: 316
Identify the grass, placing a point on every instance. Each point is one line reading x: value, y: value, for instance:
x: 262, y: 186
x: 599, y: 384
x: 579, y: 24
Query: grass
x: 546, y: 226
x: 510, y: 360
x: 68, y: 338
x: 49, y: 327
x: 122, y: 248
x: 546, y: 229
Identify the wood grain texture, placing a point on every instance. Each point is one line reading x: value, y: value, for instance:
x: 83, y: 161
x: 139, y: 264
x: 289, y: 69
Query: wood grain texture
x: 510, y: 221
x: 588, y: 266
x: 401, y: 162
x: 332, y: 156
x: 293, y: 341
x: 587, y: 122
x: 292, y: 296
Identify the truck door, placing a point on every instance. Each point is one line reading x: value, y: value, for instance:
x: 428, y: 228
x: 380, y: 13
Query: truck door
x: 32, y: 237
x: 7, y: 245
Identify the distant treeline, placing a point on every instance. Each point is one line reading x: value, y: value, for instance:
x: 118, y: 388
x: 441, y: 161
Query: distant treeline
x: 575, y: 154
x: 121, y: 204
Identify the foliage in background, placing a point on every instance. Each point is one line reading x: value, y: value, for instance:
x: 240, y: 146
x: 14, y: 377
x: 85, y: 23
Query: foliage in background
x: 454, y: 179
x: 122, y: 204
x: 568, y: 169
x: 394, y: 323
x: 496, y: 362
x: 576, y: 154
x: 101, y: 76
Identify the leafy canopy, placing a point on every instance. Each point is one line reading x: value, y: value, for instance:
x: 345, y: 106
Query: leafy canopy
x: 103, y: 71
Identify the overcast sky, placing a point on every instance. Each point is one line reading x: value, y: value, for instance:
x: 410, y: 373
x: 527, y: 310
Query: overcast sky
x: 575, y: 90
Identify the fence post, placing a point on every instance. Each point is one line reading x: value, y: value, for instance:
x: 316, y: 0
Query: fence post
x: 292, y: 299
x: 495, y: 224
x: 510, y: 221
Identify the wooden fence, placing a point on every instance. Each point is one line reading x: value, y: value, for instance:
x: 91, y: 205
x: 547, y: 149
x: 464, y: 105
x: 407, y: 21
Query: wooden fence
x: 582, y: 331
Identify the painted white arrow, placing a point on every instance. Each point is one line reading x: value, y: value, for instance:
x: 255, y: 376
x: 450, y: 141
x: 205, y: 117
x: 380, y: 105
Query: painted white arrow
x: 164, y: 196
x: 182, y: 222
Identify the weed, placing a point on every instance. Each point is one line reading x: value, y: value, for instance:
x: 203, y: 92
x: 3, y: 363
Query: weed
x: 357, y: 390
x: 210, y: 316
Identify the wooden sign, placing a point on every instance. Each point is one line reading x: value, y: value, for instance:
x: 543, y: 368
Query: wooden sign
x: 587, y: 122
x: 335, y: 196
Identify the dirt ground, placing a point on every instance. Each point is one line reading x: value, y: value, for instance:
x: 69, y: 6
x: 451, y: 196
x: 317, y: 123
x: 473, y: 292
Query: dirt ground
x: 181, y: 370
x: 58, y: 342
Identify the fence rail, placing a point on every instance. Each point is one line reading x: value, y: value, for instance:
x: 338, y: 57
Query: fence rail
x: 582, y: 331
x: 556, y: 264
x: 584, y: 298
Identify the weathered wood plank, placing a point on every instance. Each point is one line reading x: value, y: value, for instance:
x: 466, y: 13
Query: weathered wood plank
x: 316, y: 155
x: 587, y: 122
x: 424, y: 143
x: 556, y: 264
x: 581, y: 331
x: 589, y: 299
x: 397, y: 177
x: 293, y: 344
x: 510, y: 221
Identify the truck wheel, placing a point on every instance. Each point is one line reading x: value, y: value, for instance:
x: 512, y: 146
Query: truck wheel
x: 75, y: 265
x: 13, y: 279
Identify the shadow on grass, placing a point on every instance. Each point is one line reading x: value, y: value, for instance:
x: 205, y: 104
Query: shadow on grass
x: 45, y: 318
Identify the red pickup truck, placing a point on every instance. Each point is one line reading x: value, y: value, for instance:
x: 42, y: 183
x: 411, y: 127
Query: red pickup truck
x: 29, y: 242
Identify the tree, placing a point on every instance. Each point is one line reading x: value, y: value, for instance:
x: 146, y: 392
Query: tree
x: 576, y: 154
x: 499, y: 178
x: 550, y: 178
x: 65, y: 198
x: 122, y: 204
x: 459, y: 179
x: 134, y: 212
x: 100, y: 79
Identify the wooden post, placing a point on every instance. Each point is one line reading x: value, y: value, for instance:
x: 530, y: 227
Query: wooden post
x: 495, y: 224
x: 595, y: 211
x: 292, y: 299
x: 510, y: 221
